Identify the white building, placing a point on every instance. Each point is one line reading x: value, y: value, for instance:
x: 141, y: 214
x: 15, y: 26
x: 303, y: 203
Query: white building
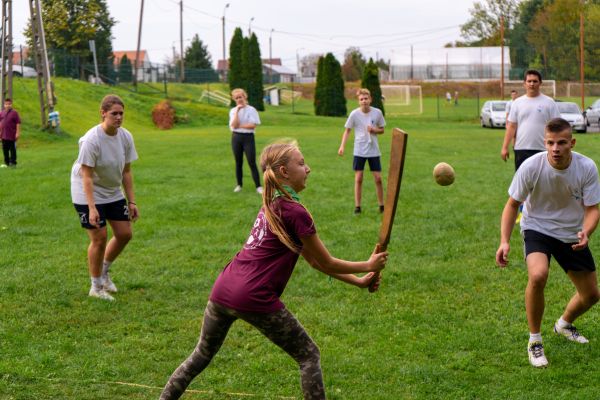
x: 449, y: 63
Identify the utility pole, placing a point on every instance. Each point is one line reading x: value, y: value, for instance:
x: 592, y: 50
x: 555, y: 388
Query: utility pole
x: 271, y: 57
x: 7, y: 72
x: 182, y: 74
x: 226, y: 66
x: 502, y: 57
x: 137, y: 50
x: 45, y: 87
x: 581, y: 56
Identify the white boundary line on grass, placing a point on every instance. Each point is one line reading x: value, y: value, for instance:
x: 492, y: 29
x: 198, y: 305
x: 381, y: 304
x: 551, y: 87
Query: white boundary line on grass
x: 160, y: 388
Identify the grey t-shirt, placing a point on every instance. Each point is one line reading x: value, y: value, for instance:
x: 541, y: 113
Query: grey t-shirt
x: 108, y: 156
x: 555, y: 199
x: 531, y: 115
x: 365, y: 144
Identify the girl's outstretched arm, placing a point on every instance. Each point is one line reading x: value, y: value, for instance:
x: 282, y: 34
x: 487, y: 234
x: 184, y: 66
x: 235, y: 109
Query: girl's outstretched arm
x: 317, y: 255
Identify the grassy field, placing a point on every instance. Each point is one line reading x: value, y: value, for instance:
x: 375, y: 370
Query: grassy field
x: 446, y: 324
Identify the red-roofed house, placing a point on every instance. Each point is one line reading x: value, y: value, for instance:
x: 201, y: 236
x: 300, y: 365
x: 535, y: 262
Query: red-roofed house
x: 145, y: 72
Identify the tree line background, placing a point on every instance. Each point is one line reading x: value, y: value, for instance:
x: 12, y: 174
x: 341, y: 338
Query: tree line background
x: 541, y: 34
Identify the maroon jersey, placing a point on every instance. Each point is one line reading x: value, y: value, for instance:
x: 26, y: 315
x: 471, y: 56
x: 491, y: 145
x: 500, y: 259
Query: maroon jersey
x: 256, y: 277
x: 9, y: 119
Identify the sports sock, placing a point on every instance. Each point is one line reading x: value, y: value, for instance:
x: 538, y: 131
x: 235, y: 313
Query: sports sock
x: 97, y: 282
x: 561, y: 323
x: 535, y: 337
x: 105, y: 267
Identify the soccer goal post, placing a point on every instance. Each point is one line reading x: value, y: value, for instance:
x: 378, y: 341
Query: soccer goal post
x: 402, y: 99
x: 589, y: 89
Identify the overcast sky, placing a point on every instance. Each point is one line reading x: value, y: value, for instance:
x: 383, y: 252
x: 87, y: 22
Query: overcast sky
x: 377, y: 27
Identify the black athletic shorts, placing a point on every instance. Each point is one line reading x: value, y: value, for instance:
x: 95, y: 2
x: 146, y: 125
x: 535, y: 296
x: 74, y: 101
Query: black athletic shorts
x: 115, y: 211
x: 374, y: 163
x: 565, y: 256
x: 522, y: 155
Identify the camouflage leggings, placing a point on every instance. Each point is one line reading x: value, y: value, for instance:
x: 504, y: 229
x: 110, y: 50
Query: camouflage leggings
x: 281, y: 327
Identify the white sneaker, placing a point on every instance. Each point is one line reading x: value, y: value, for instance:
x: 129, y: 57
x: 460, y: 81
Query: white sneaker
x: 101, y: 294
x: 108, y: 285
x: 237, y: 189
x: 536, y: 355
x: 259, y: 190
x: 571, y: 333
x: 3, y: 166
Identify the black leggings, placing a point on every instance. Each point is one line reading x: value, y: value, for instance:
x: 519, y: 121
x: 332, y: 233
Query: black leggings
x: 244, y: 143
x: 281, y: 327
x: 9, y: 148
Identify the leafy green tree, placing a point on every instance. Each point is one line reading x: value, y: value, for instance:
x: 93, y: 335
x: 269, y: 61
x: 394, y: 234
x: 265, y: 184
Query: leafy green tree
x: 254, y: 74
x: 354, y: 64
x: 370, y: 80
x: 483, y: 28
x: 237, y: 69
x: 331, y: 100
x: 197, y: 55
x: 522, y: 54
x: 555, y: 36
x: 69, y: 25
x: 125, y: 70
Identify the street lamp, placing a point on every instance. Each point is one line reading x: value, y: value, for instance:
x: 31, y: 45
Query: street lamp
x: 250, y: 26
x: 271, y: 56
x: 225, y: 67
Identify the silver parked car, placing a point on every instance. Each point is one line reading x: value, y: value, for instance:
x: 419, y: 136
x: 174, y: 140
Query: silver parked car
x: 592, y: 114
x: 493, y: 114
x: 572, y: 113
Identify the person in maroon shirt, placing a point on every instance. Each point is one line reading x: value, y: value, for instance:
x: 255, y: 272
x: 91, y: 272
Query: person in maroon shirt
x: 10, y: 130
x: 250, y: 286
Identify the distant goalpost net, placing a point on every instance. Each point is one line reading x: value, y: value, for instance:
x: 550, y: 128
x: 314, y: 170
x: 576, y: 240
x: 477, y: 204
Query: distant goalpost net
x: 589, y: 89
x: 402, y: 99
x: 548, y: 88
x: 215, y: 97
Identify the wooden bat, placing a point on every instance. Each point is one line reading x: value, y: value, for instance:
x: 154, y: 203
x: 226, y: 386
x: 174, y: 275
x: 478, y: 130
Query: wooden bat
x: 398, y: 153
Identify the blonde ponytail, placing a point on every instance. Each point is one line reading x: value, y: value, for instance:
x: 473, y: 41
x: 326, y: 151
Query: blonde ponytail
x: 271, y: 159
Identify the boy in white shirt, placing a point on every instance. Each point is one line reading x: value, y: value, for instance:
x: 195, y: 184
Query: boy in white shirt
x: 367, y: 122
x: 561, y: 192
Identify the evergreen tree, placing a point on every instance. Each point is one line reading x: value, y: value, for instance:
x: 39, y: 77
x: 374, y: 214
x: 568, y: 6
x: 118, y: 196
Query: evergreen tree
x: 330, y: 88
x: 197, y: 55
x: 254, y: 78
x: 236, y: 63
x: 370, y: 80
x: 319, y: 98
x: 125, y: 70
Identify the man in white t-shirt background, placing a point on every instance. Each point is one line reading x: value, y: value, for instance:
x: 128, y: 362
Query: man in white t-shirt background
x: 513, y: 96
x: 561, y: 192
x: 367, y: 122
x: 527, y: 118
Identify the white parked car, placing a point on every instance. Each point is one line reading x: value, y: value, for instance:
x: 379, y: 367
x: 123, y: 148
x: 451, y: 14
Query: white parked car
x: 493, y: 114
x: 572, y: 113
x: 592, y: 114
x: 25, y: 72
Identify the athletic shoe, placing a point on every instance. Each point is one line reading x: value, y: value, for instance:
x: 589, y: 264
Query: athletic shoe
x: 237, y: 189
x: 357, y: 210
x: 518, y: 220
x: 571, y: 333
x: 108, y: 285
x: 536, y: 355
x: 100, y: 294
x: 259, y: 190
x: 3, y: 166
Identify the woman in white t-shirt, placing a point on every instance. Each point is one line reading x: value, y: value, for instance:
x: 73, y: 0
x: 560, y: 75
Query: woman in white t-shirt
x: 243, y: 119
x: 102, y: 190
